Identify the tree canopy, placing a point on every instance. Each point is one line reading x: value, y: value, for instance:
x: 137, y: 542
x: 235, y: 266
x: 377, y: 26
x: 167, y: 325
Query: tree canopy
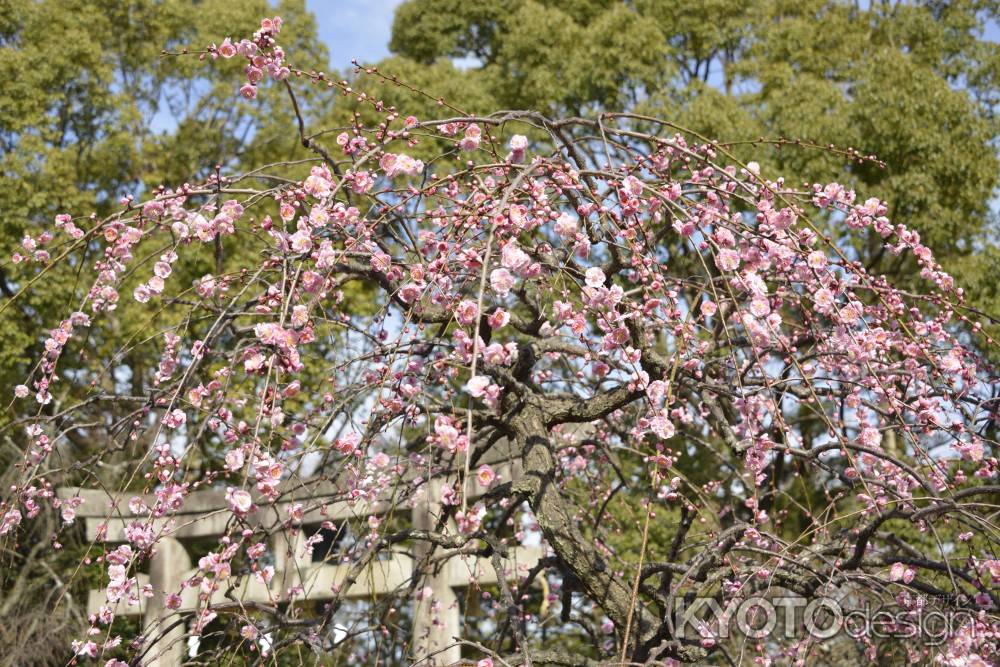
x: 91, y: 112
x: 914, y: 83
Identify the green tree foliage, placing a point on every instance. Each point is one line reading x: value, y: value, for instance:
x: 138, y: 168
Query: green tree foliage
x: 915, y: 83
x: 89, y: 112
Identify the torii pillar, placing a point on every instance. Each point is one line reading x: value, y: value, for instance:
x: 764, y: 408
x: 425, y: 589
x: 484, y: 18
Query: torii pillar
x: 436, y: 617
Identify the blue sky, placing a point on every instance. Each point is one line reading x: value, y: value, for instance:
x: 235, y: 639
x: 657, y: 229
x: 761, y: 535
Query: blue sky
x: 354, y: 28
x: 361, y: 28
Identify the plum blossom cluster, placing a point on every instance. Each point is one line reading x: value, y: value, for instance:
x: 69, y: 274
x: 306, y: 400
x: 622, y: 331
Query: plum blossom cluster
x: 35, y: 246
x: 264, y: 56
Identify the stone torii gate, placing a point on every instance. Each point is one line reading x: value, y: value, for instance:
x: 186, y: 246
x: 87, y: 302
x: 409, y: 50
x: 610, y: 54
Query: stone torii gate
x: 205, y: 514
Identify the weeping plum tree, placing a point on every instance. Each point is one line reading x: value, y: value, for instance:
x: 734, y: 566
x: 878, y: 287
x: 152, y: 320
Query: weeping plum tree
x: 707, y: 401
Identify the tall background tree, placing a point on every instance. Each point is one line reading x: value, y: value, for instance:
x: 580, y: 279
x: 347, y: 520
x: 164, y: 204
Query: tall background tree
x: 90, y: 112
x: 915, y: 83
